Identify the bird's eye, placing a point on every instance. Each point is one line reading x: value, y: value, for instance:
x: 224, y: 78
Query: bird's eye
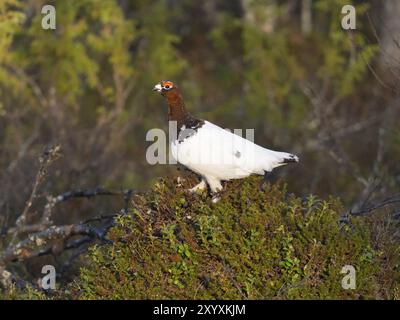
x: 167, y: 86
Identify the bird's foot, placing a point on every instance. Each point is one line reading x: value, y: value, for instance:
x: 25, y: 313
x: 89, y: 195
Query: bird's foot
x: 216, y: 197
x: 179, y: 181
x: 215, y: 188
x: 198, y: 187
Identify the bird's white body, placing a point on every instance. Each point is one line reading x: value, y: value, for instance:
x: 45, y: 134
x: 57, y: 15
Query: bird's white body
x: 218, y: 154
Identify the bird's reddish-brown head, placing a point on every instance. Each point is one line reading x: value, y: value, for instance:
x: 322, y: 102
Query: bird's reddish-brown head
x: 166, y: 88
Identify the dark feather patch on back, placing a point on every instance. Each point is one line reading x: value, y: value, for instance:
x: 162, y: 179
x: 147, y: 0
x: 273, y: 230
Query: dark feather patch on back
x: 191, y: 125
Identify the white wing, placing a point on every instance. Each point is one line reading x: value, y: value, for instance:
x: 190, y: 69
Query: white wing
x: 213, y: 151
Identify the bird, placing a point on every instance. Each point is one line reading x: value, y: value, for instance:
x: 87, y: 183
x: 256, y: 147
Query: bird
x: 214, y: 153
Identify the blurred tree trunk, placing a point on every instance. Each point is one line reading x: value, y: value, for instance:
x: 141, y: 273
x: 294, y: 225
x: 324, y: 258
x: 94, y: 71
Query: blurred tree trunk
x: 306, y: 16
x: 211, y: 11
x: 390, y: 33
x: 262, y: 15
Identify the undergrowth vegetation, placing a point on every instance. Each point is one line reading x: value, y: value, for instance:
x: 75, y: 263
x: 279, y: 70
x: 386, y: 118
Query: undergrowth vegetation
x: 255, y: 243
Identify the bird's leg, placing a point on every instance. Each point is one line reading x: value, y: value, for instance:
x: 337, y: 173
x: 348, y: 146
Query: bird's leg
x: 200, y: 186
x: 215, y: 184
x: 216, y: 188
x: 179, y: 181
x: 265, y: 180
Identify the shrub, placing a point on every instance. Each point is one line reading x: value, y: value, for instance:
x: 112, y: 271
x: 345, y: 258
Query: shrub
x: 252, y: 244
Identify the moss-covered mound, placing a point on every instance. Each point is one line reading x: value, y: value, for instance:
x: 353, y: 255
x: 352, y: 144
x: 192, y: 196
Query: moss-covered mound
x: 252, y: 244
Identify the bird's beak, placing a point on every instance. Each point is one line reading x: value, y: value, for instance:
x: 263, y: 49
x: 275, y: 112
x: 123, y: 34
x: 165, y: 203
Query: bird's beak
x: 157, y: 88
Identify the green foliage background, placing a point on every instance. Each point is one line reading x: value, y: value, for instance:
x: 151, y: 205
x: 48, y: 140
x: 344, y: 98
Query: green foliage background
x: 322, y: 95
x: 88, y: 83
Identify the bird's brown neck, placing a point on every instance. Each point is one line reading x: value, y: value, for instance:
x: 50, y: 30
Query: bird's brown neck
x: 176, y: 109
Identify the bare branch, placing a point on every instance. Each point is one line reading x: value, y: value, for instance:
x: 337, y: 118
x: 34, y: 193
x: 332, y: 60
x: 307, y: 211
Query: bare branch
x: 50, y: 155
x: 389, y: 201
x: 42, y: 237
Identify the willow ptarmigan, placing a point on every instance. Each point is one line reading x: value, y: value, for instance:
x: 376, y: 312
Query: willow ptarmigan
x: 212, y: 152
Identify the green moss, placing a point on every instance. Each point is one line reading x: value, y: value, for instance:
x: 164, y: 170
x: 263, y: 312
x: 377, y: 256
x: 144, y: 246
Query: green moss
x: 28, y: 293
x: 252, y: 244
